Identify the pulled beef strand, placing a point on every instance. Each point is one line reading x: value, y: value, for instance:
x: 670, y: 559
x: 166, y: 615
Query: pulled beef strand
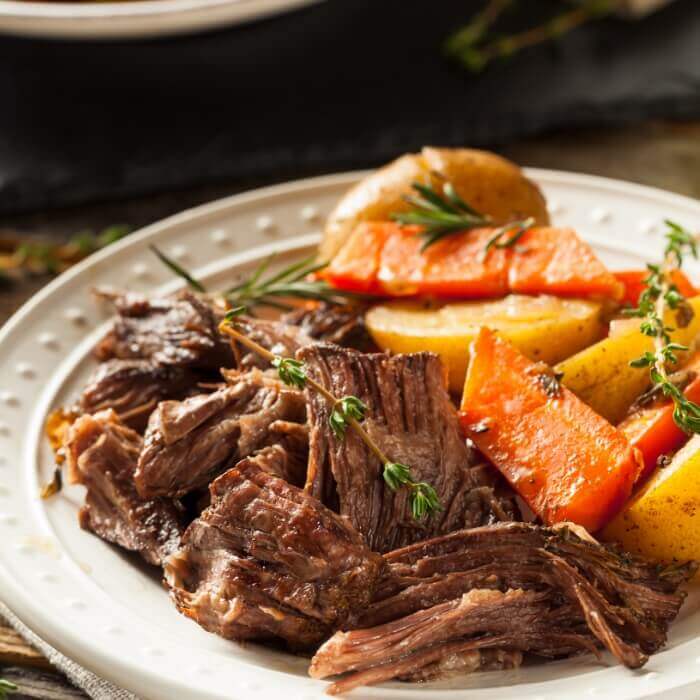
x: 266, y: 560
x: 516, y: 620
x: 133, y: 388
x: 188, y: 443
x: 101, y: 454
x: 181, y: 330
x: 331, y: 323
x: 587, y: 595
x: 411, y: 417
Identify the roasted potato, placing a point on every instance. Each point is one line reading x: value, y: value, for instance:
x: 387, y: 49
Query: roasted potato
x: 544, y: 328
x: 663, y: 521
x: 601, y: 374
x: 491, y: 184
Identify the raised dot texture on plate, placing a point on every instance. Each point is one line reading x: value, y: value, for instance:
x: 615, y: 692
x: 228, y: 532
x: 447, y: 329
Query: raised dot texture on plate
x: 265, y: 223
x: 4, y: 430
x: 179, y: 252
x: 8, y: 398
x: 25, y: 370
x: 75, y: 604
x: 309, y: 213
x: 600, y: 215
x: 47, y: 577
x: 6, y: 519
x: 554, y: 207
x: 76, y: 316
x: 219, y: 236
x: 648, y: 226
x: 140, y: 270
x: 48, y: 340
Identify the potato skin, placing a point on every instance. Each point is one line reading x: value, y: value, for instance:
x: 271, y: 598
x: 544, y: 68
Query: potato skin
x: 543, y: 328
x: 491, y: 184
x: 601, y: 375
x: 662, y: 522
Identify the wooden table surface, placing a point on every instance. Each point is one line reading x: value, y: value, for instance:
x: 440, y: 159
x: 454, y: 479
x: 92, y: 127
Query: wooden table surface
x: 660, y: 154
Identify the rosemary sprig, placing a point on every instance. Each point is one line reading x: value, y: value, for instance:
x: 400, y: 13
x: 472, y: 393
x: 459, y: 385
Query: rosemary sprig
x: 6, y: 688
x: 516, y: 229
x: 660, y: 295
x: 440, y: 214
x: 346, y: 412
x: 292, y: 282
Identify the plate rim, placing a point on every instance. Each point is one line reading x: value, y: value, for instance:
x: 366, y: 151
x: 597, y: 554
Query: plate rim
x: 297, y: 188
x: 135, y: 18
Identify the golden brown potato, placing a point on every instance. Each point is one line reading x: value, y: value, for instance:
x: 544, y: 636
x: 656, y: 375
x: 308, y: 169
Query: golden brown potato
x: 491, y: 184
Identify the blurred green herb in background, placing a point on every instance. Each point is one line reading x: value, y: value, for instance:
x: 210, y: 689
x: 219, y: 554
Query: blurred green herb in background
x: 18, y: 257
x: 479, y: 43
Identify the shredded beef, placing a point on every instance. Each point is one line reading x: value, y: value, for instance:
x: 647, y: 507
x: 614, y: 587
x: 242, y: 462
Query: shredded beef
x: 180, y: 331
x: 266, y: 560
x: 583, y: 595
x: 133, y: 388
x: 411, y: 417
x: 187, y: 443
x: 101, y: 454
x: 330, y: 323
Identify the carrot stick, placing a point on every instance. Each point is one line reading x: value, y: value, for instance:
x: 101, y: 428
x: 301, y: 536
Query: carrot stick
x: 567, y: 462
x: 385, y: 258
x: 633, y: 282
x: 652, y: 429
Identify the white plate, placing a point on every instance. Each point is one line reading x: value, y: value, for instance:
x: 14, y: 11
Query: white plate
x: 136, y: 18
x: 109, y: 613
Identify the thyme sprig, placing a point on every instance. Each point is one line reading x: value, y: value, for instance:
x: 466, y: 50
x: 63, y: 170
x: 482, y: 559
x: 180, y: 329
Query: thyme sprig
x: 660, y: 296
x: 346, y: 412
x: 439, y: 213
x: 6, y: 688
x: 295, y: 281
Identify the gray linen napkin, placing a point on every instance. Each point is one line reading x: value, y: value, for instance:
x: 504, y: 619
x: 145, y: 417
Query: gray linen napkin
x: 97, y: 688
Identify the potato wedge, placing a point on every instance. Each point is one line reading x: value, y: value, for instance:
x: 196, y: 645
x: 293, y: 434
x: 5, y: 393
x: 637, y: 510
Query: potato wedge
x: 544, y: 328
x: 601, y: 374
x: 663, y: 521
x: 491, y: 184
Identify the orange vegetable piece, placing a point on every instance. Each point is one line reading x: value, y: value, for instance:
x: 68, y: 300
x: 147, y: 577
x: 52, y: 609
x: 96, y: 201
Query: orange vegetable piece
x: 567, y: 462
x: 633, y: 281
x: 652, y: 429
x: 385, y: 258
x: 557, y: 261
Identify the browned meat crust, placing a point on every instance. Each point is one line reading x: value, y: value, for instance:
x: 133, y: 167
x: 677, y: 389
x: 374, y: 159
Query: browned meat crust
x: 102, y: 454
x: 551, y: 593
x: 177, y: 331
x: 341, y: 325
x: 411, y: 417
x: 266, y: 560
x: 188, y: 443
x: 133, y: 389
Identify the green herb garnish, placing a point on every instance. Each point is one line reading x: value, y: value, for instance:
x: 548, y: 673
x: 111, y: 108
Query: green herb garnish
x: 440, y: 214
x: 292, y: 282
x: 6, y: 688
x: 660, y: 296
x: 346, y: 412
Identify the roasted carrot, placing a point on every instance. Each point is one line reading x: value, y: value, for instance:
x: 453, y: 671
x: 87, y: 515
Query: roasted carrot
x: 652, y: 429
x: 633, y: 282
x: 566, y: 461
x: 386, y: 258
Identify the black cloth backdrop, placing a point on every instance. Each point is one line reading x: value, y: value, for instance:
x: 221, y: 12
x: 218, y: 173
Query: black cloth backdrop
x: 342, y: 84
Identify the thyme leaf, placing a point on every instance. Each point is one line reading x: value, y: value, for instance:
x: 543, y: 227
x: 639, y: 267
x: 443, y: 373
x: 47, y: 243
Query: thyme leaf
x: 346, y: 412
x: 660, y: 295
